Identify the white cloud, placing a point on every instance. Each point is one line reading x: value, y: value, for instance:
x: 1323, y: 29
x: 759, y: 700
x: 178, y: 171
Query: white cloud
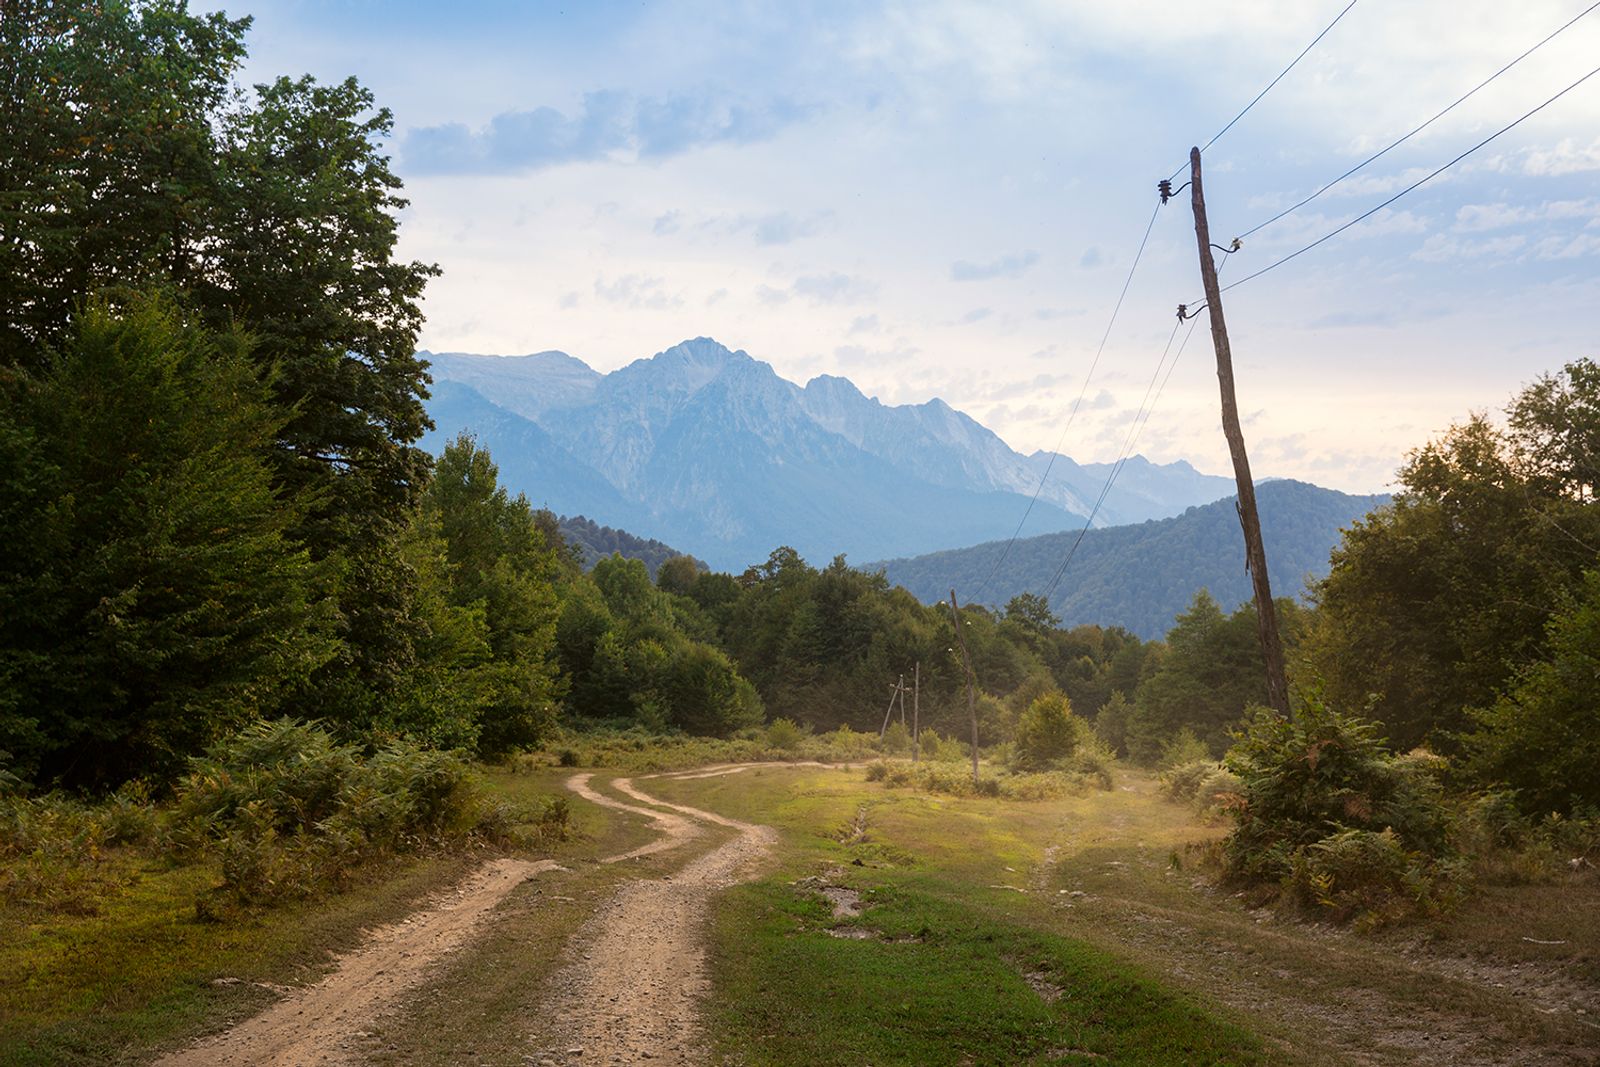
x: 1567, y: 157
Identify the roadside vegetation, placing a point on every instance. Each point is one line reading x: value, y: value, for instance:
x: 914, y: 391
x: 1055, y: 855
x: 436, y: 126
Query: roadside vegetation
x: 257, y: 648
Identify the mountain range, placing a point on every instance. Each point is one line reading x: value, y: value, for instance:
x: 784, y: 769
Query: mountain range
x: 710, y: 450
x: 1140, y: 576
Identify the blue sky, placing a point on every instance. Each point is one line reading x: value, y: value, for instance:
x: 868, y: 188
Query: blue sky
x: 943, y: 199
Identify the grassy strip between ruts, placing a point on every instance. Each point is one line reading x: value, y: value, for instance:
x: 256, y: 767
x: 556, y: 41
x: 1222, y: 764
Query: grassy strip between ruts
x: 941, y: 980
x: 944, y: 965
x: 143, y: 972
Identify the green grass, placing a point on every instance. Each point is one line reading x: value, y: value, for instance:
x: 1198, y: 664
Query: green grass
x: 941, y: 978
x: 943, y: 982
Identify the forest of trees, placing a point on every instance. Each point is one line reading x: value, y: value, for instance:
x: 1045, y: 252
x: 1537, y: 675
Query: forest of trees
x: 215, y: 512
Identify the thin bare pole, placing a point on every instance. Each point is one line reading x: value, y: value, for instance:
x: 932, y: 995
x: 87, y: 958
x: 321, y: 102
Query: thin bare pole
x: 888, y: 712
x: 972, y: 685
x: 1255, y: 554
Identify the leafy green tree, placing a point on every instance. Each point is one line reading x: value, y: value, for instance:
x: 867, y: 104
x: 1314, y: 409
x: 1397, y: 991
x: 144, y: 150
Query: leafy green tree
x: 678, y: 575
x: 1031, y: 612
x: 128, y: 157
x: 1434, y: 603
x: 499, y: 563
x: 108, y: 154
x: 1047, y: 733
x: 1111, y: 725
x: 1211, y: 671
x: 150, y: 600
x: 1542, y: 737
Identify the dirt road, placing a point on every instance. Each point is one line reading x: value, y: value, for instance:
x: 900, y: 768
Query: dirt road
x: 315, y: 1025
x: 626, y: 995
x: 635, y: 972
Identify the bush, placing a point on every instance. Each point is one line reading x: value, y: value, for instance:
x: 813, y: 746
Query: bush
x: 784, y: 735
x: 1218, y: 792
x: 1326, y: 812
x: 1368, y: 876
x: 61, y: 855
x: 290, y: 811
x: 956, y: 779
x: 897, y: 739
x: 846, y: 744
x: 1047, y: 733
x: 1183, y: 748
x: 1182, y: 782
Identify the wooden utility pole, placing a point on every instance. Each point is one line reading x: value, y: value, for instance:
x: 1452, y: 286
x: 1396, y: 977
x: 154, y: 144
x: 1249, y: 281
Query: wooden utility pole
x: 888, y: 712
x: 916, y: 713
x: 972, y: 685
x: 1255, y: 554
x: 902, y: 700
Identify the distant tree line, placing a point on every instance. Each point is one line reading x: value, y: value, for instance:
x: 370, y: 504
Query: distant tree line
x: 215, y: 513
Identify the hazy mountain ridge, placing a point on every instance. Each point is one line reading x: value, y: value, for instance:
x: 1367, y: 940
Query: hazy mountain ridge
x: 711, y: 450
x: 1140, y: 576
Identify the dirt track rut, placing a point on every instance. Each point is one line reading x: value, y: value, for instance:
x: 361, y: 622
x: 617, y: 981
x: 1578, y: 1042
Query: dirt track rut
x: 315, y: 1025
x: 629, y: 992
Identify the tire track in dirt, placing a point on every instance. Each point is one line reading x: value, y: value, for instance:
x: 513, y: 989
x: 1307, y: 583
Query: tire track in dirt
x: 316, y: 1024
x: 631, y: 992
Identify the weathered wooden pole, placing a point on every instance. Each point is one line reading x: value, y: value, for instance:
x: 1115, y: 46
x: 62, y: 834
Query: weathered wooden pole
x: 1255, y: 554
x: 972, y: 685
x: 888, y: 712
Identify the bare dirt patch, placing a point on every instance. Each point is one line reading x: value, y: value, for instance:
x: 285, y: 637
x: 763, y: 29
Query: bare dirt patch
x: 319, y: 1023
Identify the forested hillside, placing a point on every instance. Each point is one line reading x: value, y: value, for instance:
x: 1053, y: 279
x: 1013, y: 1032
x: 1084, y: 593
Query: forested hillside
x: 1139, y: 577
x: 594, y: 542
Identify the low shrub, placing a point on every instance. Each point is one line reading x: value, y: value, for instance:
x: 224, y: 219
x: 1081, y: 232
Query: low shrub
x: 1324, y: 812
x: 634, y: 749
x: 955, y: 779
x: 784, y: 735
x: 290, y: 811
x: 1182, y: 749
x: 62, y: 855
x: 1506, y: 846
x: 1182, y: 782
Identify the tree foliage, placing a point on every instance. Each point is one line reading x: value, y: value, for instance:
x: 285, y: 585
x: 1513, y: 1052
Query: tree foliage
x: 1542, y: 736
x: 129, y: 158
x: 1434, y: 602
x: 150, y: 600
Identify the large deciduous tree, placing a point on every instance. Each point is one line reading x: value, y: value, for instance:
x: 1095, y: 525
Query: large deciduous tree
x: 1434, y: 603
x: 129, y: 157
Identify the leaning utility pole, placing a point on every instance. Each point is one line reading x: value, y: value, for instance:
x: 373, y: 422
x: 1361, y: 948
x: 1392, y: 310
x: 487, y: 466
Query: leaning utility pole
x: 888, y: 713
x: 1255, y: 555
x: 972, y: 685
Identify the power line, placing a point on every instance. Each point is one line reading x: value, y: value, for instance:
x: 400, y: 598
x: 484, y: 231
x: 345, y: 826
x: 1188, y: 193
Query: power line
x: 1140, y: 419
x: 1414, y: 185
x: 1275, y: 81
x: 1458, y: 101
x: 1051, y: 462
